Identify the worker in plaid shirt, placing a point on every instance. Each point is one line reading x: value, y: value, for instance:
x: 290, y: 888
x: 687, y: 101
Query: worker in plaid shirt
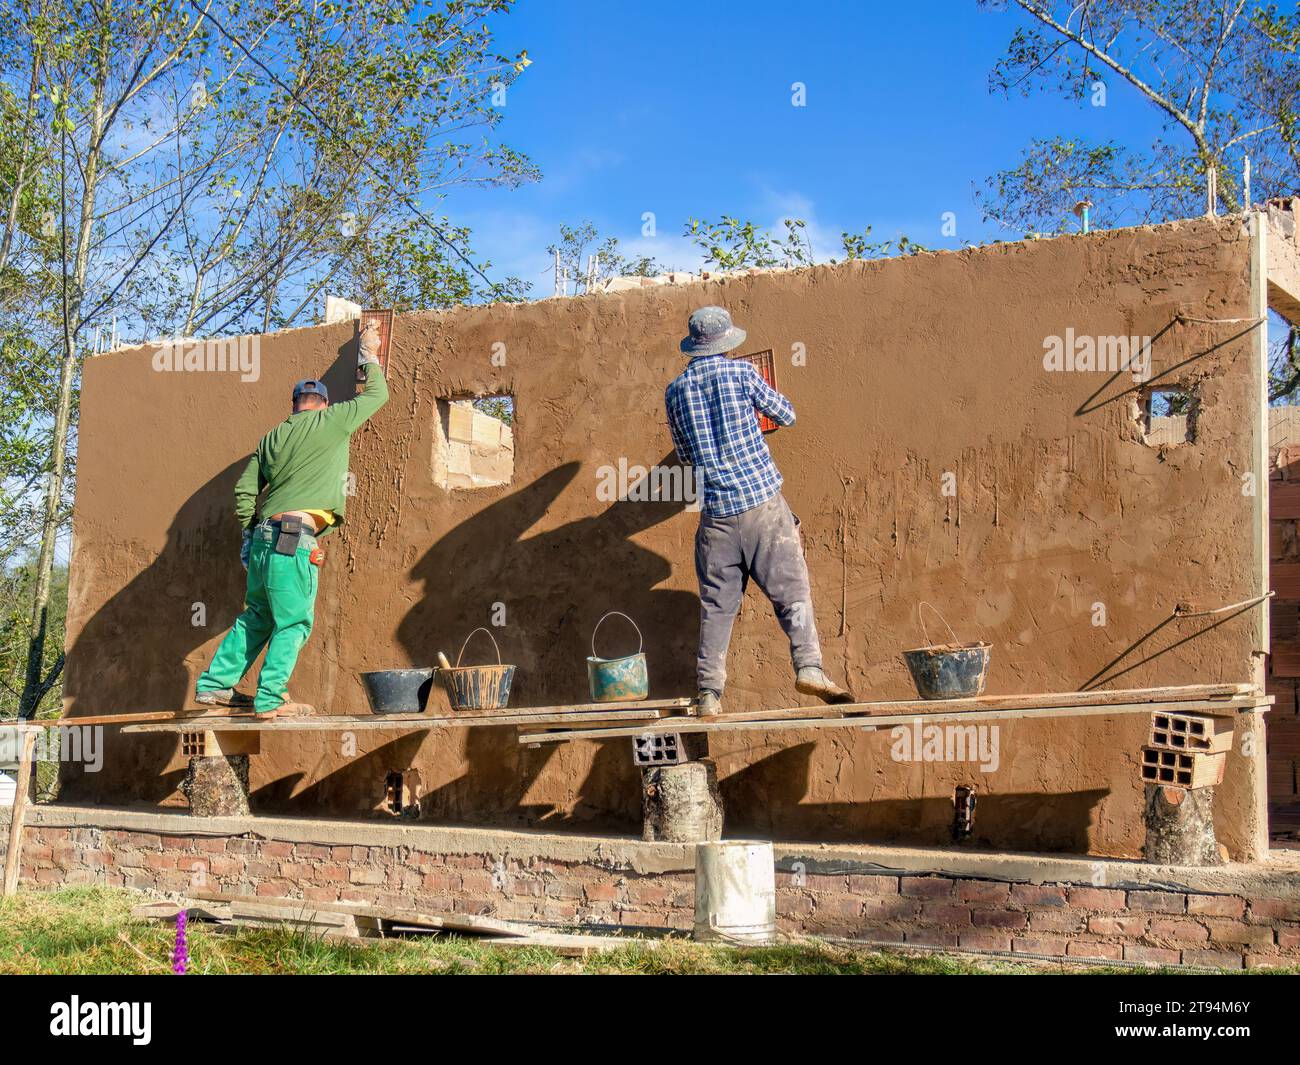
x: 746, y: 527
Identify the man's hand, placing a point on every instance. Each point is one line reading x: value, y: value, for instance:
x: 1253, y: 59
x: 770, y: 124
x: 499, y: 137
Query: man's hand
x: 370, y: 342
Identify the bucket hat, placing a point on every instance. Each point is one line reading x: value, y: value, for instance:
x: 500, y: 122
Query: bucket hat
x: 712, y: 333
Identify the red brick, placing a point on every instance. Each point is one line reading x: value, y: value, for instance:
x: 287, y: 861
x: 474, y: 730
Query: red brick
x: 1157, y: 902
x: 211, y: 846
x: 1082, y: 948
x: 1275, y: 909
x: 1150, y: 955
x: 946, y: 913
x: 821, y: 882
x: 873, y: 885
x: 983, y: 891
x: 1092, y: 898
x: 1057, y: 920
x: 839, y: 905
x: 601, y: 892
x: 930, y: 937
x: 280, y: 889
x: 984, y: 939
x: 998, y: 919
x: 1117, y: 926
x: 1177, y: 932
x: 643, y: 892
x: 1288, y: 938
x: 1213, y: 959
x: 926, y: 887
x: 311, y: 852
x: 1270, y: 961
x: 1216, y: 905
x: 160, y: 861
x: 1054, y: 947
x: 178, y: 843
x: 1239, y: 934
x: 321, y: 894
x: 889, y: 907
x: 1037, y: 895
x: 362, y: 874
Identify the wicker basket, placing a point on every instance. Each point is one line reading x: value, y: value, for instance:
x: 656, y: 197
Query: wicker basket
x: 478, y: 687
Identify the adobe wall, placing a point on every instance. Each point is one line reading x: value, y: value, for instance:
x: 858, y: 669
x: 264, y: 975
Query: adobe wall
x: 916, y: 368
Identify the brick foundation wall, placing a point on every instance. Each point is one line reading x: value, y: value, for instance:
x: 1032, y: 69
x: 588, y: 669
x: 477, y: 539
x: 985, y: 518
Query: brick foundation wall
x: 598, y: 881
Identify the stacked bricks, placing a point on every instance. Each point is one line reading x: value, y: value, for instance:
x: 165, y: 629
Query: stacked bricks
x: 1186, y: 750
x: 1067, y: 921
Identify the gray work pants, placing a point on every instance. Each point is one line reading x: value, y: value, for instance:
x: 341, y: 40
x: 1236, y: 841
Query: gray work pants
x: 762, y: 543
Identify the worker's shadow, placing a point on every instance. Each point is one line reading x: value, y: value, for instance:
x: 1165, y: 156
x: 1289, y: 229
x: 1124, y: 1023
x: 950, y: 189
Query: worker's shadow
x: 549, y: 590
x: 131, y: 654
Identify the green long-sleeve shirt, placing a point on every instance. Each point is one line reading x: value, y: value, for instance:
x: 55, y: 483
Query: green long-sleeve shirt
x: 303, y: 462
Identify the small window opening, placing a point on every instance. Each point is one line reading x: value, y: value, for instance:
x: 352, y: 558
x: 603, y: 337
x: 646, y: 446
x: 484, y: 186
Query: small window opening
x: 475, y: 445
x: 402, y: 793
x: 1168, y: 417
x: 963, y: 816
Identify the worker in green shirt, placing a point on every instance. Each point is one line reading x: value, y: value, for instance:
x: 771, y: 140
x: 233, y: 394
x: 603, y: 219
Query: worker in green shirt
x: 302, y: 466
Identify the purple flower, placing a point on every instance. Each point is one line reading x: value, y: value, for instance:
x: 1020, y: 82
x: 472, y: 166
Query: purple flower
x: 181, y: 954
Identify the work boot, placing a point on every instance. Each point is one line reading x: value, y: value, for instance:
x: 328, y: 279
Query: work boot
x: 224, y: 697
x: 287, y: 710
x: 708, y: 703
x: 810, y: 680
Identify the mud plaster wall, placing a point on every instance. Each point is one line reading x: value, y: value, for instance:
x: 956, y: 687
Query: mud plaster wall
x: 916, y: 367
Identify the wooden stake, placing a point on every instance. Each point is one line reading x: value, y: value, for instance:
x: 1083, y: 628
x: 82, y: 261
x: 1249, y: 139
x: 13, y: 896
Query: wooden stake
x: 13, y: 853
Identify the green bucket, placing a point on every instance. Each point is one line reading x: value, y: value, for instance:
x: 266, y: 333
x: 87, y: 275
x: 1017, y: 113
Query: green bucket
x: 618, y: 680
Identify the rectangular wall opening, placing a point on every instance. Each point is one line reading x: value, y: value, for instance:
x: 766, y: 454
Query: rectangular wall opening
x: 474, y: 444
x: 1168, y: 416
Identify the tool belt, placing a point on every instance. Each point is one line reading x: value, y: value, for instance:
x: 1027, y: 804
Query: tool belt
x: 288, y: 536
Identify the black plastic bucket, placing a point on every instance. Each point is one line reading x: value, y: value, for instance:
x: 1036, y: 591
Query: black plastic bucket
x: 954, y: 671
x: 398, y: 691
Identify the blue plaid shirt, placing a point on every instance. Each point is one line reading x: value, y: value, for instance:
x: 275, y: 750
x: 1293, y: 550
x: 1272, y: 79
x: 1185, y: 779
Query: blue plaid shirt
x: 711, y: 407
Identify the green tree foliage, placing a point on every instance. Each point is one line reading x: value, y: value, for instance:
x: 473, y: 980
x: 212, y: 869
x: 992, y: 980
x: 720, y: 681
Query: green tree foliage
x: 204, y: 169
x: 1222, y: 76
x: 587, y: 260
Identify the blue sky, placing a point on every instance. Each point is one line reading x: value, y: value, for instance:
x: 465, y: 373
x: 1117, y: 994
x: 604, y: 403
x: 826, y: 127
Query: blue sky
x: 684, y: 109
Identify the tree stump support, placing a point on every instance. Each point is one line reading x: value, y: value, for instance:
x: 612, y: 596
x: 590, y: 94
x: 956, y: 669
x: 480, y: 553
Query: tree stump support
x: 1180, y: 826
x: 216, y: 782
x: 681, y: 803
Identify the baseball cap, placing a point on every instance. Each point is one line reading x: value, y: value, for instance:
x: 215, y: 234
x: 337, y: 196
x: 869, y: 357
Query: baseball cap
x: 308, y: 388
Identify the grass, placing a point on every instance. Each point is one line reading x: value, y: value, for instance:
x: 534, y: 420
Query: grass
x: 82, y: 931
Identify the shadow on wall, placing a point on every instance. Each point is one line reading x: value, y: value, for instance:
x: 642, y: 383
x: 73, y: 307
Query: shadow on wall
x: 553, y: 587
x: 131, y: 655
x: 765, y: 800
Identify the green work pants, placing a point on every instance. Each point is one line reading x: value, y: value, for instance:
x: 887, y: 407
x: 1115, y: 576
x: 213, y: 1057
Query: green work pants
x: 279, y: 606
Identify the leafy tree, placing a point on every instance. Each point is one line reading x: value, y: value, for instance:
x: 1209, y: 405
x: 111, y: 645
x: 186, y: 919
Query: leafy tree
x: 587, y: 260
x: 207, y: 169
x: 1222, y: 77
x: 860, y: 246
x: 733, y: 244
